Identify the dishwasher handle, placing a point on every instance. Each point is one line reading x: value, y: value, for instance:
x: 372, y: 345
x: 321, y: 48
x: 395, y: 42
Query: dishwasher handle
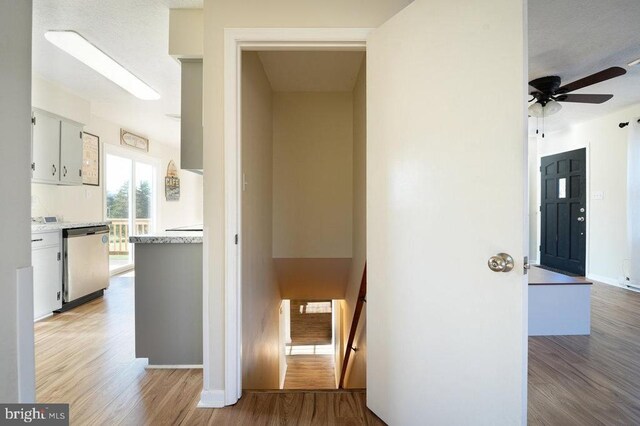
x: 81, y: 232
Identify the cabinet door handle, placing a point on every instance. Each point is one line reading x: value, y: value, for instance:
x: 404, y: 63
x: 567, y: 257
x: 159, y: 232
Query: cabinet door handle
x: 36, y: 240
x: 64, y: 170
x: 53, y: 170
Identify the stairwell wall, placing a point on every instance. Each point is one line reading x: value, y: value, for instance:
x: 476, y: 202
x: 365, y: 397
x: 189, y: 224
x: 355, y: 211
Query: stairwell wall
x: 260, y: 290
x: 357, y: 369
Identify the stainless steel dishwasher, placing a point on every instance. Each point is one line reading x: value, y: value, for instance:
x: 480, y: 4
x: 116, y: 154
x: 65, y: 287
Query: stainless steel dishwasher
x: 86, y: 264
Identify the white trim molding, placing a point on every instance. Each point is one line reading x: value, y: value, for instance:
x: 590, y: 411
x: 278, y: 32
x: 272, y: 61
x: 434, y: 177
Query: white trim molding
x: 212, y: 399
x: 174, y: 367
x: 605, y: 280
x: 26, y: 349
x: 235, y: 41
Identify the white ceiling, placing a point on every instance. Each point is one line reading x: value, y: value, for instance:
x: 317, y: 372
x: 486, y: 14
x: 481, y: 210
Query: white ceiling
x: 569, y: 38
x: 312, y: 71
x: 575, y: 38
x: 133, y: 32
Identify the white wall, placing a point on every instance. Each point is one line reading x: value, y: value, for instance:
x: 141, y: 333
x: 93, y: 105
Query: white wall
x: 241, y: 14
x: 187, y: 30
x: 86, y: 203
x: 260, y: 291
x: 337, y: 312
x: 607, y: 156
x: 357, y: 369
x: 312, y: 174
x: 633, y: 203
x: 15, y: 251
x: 285, y: 338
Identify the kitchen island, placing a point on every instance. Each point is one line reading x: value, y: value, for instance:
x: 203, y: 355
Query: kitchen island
x: 168, y: 298
x: 559, y: 305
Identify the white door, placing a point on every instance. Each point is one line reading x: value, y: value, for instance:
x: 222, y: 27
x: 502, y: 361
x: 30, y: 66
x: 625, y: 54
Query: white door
x: 446, y: 191
x: 70, y: 153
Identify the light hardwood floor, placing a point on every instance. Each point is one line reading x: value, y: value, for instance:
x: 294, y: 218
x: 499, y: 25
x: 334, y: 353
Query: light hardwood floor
x: 85, y: 357
x: 590, y: 380
x: 310, y: 372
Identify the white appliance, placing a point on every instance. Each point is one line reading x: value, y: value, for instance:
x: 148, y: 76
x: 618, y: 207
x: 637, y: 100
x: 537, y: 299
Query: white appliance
x: 86, y: 264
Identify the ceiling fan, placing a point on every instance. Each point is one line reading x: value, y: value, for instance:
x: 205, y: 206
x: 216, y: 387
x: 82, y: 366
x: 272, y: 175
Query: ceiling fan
x: 549, y: 93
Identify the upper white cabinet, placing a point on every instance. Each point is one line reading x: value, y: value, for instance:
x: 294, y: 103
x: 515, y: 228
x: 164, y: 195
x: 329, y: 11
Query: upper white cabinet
x: 45, y: 148
x: 70, y: 153
x: 56, y: 147
x: 191, y: 116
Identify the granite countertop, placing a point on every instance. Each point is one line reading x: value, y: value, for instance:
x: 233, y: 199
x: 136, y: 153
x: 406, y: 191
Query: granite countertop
x: 180, y: 237
x: 43, y: 227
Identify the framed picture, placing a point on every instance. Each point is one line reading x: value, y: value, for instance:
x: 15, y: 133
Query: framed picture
x: 90, y: 159
x: 133, y: 141
x: 172, y: 183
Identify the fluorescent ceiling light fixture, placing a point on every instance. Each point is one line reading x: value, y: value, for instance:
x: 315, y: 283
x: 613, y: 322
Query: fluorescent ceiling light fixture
x: 78, y: 47
x: 632, y: 63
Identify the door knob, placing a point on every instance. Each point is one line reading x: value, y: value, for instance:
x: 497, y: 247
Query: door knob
x: 581, y: 219
x: 501, y: 262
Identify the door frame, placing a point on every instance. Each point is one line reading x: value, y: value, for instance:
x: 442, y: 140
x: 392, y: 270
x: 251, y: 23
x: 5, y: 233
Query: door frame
x: 538, y: 184
x: 237, y: 40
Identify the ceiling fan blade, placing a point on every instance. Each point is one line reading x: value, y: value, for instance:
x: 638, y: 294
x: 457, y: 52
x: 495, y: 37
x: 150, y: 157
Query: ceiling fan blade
x: 584, y: 99
x: 603, y: 75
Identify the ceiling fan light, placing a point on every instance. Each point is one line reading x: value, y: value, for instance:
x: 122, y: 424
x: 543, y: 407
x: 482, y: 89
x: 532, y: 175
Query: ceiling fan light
x: 535, y: 110
x: 551, y: 108
x: 539, y: 111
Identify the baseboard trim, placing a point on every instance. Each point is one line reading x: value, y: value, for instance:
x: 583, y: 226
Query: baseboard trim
x: 25, y: 337
x: 43, y: 317
x: 605, y: 280
x: 173, y: 367
x: 211, y: 399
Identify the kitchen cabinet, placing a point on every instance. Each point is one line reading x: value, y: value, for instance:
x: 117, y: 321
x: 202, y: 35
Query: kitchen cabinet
x: 46, y: 259
x: 191, y: 116
x: 70, y: 153
x: 45, y: 147
x: 56, y: 149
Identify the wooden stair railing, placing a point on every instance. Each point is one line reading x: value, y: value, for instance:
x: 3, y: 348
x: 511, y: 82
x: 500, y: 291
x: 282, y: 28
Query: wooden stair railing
x: 362, y: 294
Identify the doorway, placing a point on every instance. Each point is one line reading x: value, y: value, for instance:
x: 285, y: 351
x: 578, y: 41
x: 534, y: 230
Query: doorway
x: 130, y: 205
x: 303, y: 216
x: 309, y: 353
x: 405, y: 143
x: 563, y: 212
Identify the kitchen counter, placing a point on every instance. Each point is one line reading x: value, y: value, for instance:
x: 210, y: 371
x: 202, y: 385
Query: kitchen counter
x: 45, y: 227
x: 178, y: 237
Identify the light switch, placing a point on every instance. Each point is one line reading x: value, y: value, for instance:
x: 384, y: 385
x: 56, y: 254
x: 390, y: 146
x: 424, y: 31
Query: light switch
x: 597, y: 195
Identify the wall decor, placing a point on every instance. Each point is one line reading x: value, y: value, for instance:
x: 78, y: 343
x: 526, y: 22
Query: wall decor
x: 172, y: 183
x: 90, y: 159
x: 133, y: 141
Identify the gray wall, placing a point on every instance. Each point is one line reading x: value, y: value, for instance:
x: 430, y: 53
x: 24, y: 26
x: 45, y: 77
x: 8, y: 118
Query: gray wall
x: 15, y: 190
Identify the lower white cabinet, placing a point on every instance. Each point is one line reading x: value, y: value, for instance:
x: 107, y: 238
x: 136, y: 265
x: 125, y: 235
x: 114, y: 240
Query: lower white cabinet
x: 46, y: 259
